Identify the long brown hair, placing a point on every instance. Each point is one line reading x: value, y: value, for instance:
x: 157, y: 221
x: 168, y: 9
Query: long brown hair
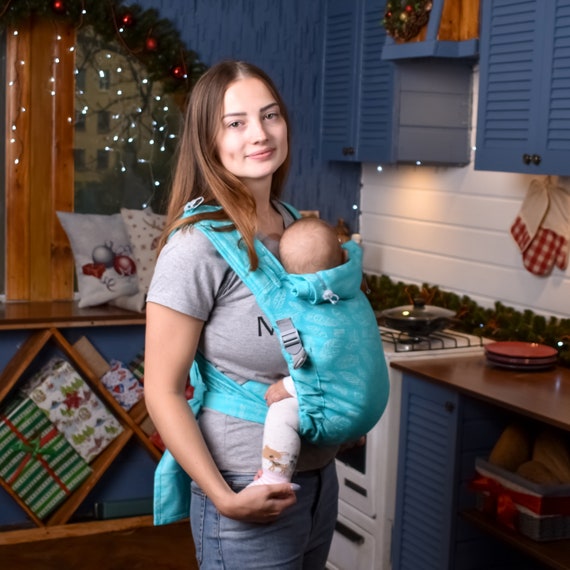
x: 199, y: 171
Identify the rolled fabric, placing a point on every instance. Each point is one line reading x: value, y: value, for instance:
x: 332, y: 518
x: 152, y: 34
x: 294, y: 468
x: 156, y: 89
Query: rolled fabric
x: 531, y: 214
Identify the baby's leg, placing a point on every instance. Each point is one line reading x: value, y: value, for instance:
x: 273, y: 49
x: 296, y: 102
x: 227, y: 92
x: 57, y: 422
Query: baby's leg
x: 281, y: 443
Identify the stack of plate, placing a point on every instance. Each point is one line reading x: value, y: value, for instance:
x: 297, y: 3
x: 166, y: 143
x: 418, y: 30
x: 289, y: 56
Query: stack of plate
x: 525, y: 356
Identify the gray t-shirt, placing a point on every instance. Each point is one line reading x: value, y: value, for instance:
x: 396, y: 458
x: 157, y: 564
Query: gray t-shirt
x: 193, y: 278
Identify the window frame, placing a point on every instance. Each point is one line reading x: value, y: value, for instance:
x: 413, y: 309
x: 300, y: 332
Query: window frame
x: 39, y: 173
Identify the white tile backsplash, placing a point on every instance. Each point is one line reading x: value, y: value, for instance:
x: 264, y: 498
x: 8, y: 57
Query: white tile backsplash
x: 450, y: 227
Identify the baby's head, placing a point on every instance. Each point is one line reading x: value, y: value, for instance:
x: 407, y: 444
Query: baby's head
x: 309, y: 245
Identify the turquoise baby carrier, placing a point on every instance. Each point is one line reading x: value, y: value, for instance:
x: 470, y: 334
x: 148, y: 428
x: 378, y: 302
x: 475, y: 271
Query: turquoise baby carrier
x: 329, y: 338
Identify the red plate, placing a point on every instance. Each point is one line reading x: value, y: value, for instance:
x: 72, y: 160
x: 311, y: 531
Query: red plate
x: 522, y: 361
x: 515, y: 349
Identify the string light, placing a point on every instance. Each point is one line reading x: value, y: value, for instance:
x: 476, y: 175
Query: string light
x: 133, y: 126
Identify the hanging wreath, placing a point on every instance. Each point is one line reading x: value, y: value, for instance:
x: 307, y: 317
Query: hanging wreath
x: 403, y: 19
x: 145, y: 36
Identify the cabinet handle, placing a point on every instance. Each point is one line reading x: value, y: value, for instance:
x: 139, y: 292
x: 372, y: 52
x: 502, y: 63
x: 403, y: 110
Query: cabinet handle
x: 348, y: 151
x: 534, y: 158
x: 449, y: 406
x: 348, y: 533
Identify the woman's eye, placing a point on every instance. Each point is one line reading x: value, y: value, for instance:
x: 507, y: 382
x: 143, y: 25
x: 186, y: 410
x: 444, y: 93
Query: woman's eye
x: 272, y: 115
x: 234, y: 124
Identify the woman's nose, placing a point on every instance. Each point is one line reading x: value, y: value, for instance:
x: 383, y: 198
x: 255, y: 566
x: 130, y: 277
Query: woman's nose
x: 257, y: 131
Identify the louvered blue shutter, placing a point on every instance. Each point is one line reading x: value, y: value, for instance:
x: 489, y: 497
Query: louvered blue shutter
x: 425, y: 502
x: 377, y: 112
x: 339, y: 98
x: 524, y: 88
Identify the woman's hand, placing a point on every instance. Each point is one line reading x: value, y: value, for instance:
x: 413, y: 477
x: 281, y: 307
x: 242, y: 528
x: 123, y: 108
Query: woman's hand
x: 260, y: 503
x: 276, y: 392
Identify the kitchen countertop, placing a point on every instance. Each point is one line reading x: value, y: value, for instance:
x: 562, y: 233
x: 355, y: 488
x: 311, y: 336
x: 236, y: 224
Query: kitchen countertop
x: 543, y: 395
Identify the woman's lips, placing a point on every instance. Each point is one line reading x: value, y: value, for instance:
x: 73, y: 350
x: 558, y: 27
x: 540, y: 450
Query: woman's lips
x: 261, y: 154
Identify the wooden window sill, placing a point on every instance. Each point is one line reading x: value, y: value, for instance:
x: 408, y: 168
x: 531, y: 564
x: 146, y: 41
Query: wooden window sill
x: 43, y: 314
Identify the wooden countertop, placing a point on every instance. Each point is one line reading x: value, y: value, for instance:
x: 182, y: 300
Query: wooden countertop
x: 544, y: 395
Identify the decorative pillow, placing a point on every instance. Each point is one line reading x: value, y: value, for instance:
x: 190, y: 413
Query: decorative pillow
x: 103, y: 257
x: 144, y: 228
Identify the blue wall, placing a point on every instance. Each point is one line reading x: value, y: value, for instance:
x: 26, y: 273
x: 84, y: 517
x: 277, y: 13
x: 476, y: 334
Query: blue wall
x: 285, y: 38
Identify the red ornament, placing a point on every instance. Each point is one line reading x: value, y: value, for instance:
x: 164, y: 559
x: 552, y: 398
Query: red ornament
x: 124, y: 265
x: 94, y: 269
x: 151, y: 44
x: 127, y: 20
x: 408, y: 8
x: 58, y: 6
x: 178, y: 72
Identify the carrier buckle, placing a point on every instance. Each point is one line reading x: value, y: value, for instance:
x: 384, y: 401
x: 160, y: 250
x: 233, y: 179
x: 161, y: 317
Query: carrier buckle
x: 292, y: 342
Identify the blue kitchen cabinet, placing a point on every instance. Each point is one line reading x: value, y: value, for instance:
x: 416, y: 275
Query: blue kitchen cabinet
x: 415, y: 111
x: 524, y: 92
x: 442, y: 432
x: 426, y: 498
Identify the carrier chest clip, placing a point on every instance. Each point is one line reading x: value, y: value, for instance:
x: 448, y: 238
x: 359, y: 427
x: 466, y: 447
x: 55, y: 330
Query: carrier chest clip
x: 292, y: 342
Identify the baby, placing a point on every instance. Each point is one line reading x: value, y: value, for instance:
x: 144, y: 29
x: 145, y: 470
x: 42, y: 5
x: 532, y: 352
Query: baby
x: 308, y: 245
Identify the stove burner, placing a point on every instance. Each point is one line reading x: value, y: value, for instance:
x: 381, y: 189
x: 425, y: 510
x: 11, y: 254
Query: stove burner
x: 440, y: 340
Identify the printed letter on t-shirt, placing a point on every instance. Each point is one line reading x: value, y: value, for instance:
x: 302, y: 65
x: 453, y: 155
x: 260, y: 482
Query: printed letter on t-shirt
x: 261, y: 324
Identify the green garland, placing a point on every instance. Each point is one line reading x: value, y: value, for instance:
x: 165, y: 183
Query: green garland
x: 403, y: 19
x: 144, y: 35
x: 499, y: 323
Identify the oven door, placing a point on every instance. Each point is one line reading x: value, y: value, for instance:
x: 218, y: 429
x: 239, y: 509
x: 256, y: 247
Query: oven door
x: 358, y: 469
x: 352, y: 548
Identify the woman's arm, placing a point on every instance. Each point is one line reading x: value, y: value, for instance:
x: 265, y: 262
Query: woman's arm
x: 170, y: 346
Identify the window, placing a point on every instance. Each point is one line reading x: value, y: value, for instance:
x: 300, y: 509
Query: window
x: 104, y: 80
x: 102, y: 159
x: 128, y: 131
x: 79, y: 159
x: 109, y: 147
x: 80, y: 81
x: 80, y: 122
x: 103, y: 122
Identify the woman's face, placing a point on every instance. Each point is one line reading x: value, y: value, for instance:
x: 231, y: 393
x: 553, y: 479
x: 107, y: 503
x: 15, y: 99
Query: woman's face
x: 252, y: 139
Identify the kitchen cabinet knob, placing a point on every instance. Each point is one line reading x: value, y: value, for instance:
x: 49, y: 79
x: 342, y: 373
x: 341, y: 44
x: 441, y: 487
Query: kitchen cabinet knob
x: 449, y: 406
x: 348, y: 151
x: 532, y: 158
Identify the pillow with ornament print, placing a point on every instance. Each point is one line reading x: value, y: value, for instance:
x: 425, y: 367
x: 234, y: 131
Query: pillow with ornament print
x: 104, y: 262
x: 144, y: 228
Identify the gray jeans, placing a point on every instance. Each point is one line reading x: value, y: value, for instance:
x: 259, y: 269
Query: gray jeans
x: 298, y: 540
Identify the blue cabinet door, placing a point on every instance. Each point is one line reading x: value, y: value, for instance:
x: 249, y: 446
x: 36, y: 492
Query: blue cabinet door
x: 425, y: 501
x: 524, y: 91
x: 358, y: 87
x: 340, y: 75
x: 374, y: 110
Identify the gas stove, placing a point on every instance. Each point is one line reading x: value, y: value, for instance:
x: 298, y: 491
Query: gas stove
x: 395, y: 341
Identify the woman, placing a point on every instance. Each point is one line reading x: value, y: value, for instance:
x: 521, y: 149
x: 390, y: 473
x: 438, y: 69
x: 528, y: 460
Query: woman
x: 234, y: 153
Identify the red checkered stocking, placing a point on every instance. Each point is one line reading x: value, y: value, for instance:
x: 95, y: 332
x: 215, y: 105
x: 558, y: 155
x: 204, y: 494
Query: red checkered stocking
x: 531, y: 214
x: 549, y: 247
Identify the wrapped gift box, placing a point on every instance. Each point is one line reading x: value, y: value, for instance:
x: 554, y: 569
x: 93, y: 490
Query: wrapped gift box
x: 73, y: 408
x: 541, y: 512
x: 36, y: 461
x: 123, y: 385
x: 137, y: 365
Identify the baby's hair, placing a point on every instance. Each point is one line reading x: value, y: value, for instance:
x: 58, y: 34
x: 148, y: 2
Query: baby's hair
x: 309, y: 245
